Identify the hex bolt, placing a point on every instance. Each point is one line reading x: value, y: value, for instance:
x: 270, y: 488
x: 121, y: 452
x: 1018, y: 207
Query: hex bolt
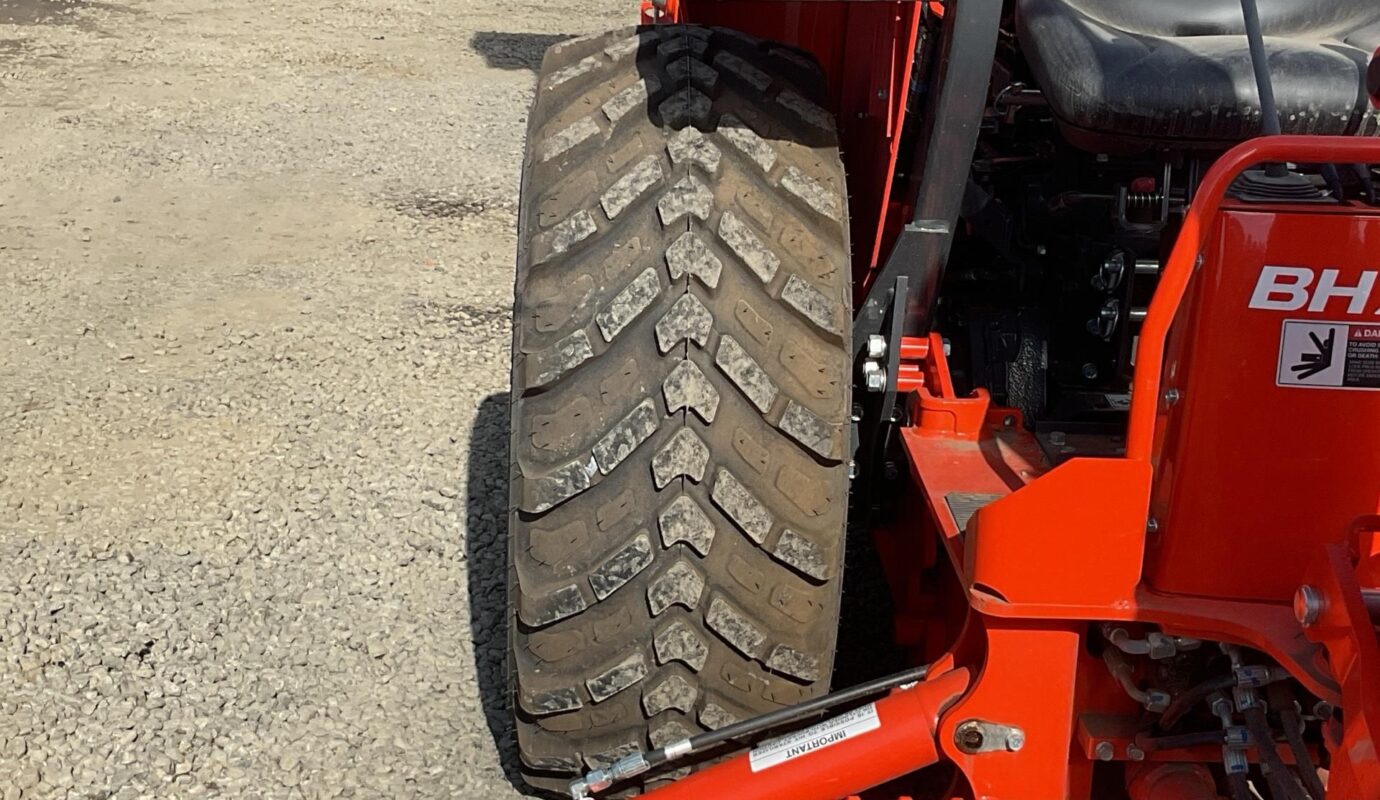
x: 1135, y: 753
x: 1008, y: 421
x: 1152, y: 525
x: 1015, y: 740
x: 1104, y: 751
x: 1172, y: 397
x: 1308, y: 605
x: 876, y: 346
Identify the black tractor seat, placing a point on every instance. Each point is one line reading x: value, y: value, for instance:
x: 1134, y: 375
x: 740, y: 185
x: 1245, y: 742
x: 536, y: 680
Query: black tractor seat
x: 1156, y: 70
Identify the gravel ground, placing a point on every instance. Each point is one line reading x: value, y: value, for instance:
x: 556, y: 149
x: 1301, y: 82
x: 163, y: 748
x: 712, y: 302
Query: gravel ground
x: 255, y: 273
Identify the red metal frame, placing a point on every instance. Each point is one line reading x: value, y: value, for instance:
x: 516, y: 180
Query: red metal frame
x: 904, y: 742
x: 1346, y: 629
x: 1069, y: 544
x: 1058, y: 548
x: 1064, y: 546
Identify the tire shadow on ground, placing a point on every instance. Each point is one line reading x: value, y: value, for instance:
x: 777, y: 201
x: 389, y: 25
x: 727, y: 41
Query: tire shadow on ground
x: 514, y: 50
x: 486, y: 545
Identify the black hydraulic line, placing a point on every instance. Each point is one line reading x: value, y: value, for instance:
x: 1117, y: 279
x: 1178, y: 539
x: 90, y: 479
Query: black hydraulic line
x: 1304, y: 759
x: 1175, y: 741
x: 1283, y: 784
x: 638, y: 763
x: 784, y: 716
x: 1240, y: 787
x: 1235, y: 764
x: 1193, y: 696
x: 1282, y: 699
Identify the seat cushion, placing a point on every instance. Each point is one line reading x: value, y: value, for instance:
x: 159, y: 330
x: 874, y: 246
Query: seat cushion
x: 1181, y: 69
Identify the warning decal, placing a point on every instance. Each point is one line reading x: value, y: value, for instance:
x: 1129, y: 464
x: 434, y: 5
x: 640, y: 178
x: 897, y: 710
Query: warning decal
x: 1337, y: 355
x: 831, y: 731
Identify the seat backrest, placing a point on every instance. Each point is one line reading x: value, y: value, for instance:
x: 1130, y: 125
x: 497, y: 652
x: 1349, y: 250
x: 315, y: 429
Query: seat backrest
x: 1303, y: 18
x: 1269, y: 435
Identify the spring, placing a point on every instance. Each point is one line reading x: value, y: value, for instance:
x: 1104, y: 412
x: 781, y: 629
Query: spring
x: 1144, y: 199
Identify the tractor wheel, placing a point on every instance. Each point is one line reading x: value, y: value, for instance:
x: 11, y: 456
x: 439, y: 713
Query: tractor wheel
x: 680, y: 394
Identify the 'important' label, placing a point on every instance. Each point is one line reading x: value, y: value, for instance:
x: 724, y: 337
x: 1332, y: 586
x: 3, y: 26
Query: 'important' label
x: 1329, y: 355
x: 816, y: 737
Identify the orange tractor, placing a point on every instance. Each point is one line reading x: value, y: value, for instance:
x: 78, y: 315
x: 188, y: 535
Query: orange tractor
x: 1069, y: 308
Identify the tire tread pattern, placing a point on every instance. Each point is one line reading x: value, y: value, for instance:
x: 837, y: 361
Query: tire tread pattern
x: 680, y: 388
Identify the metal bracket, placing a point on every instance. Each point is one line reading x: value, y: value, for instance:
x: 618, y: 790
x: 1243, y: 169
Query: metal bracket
x: 942, y: 161
x: 980, y: 736
x: 878, y: 423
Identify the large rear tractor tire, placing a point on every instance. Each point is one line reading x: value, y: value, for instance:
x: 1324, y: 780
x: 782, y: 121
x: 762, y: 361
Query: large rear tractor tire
x: 680, y: 394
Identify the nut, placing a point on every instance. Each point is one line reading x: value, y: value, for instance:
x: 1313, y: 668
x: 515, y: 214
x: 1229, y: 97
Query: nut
x: 874, y: 376
x: 876, y: 346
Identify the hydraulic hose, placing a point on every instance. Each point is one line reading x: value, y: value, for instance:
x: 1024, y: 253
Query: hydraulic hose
x: 1283, y: 784
x: 1244, y: 676
x: 1240, y: 787
x: 1175, y: 741
x: 1185, y: 701
x: 1282, y: 699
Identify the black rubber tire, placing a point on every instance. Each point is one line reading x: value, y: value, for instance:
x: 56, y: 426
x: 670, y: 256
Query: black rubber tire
x: 680, y: 393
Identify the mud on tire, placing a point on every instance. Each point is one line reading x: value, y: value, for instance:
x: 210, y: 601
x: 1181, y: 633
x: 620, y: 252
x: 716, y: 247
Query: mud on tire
x: 680, y: 385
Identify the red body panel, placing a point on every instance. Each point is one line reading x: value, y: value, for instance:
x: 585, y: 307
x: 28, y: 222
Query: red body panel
x: 1069, y: 543
x: 1254, y: 477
